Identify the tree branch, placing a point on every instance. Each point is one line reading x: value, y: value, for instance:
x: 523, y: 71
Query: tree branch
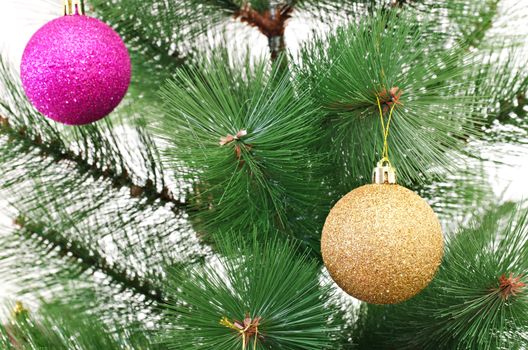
x: 90, y: 259
x: 148, y: 191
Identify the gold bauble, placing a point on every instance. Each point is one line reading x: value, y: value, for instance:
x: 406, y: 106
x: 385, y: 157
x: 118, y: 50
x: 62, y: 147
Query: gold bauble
x: 382, y: 243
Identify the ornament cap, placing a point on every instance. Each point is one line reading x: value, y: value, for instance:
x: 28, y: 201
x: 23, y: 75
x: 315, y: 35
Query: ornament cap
x: 384, y: 173
x: 19, y: 310
x: 73, y: 7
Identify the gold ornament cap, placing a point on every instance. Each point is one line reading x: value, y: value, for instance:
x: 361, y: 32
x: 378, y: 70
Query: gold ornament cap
x: 384, y: 173
x: 19, y: 311
x: 73, y: 7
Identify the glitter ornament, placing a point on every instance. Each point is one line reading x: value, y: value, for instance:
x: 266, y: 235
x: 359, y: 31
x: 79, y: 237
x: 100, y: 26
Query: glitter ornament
x: 75, y: 69
x: 382, y: 243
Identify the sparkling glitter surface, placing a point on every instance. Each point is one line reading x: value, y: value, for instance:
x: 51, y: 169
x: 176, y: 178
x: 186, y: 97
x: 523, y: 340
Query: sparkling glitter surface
x: 382, y: 243
x: 75, y: 69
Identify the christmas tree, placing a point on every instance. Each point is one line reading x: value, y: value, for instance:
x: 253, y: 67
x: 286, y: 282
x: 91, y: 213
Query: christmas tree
x: 191, y: 216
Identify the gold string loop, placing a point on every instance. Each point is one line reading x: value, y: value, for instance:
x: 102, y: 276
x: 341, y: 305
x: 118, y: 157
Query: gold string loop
x: 384, y: 173
x: 385, y: 131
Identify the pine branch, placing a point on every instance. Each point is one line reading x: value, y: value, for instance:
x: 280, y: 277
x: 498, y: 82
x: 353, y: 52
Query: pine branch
x: 502, y: 83
x: 458, y: 198
x: 245, y: 132
x: 90, y: 259
x: 474, y: 28
x: 57, y: 152
x: 474, y: 24
x: 271, y: 17
x: 21, y: 121
x: 61, y: 326
x: 270, y: 22
x: 385, y: 57
x: 58, y: 191
x: 171, y: 25
x: 266, y: 289
x: 45, y: 216
x: 500, y: 75
x: 154, y: 29
x: 35, y: 271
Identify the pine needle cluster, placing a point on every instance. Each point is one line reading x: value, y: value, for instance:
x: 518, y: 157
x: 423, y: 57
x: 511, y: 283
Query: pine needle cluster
x: 387, y: 57
x: 247, y: 135
x: 263, y: 295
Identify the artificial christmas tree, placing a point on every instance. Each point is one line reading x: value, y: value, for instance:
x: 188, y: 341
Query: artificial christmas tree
x: 191, y: 218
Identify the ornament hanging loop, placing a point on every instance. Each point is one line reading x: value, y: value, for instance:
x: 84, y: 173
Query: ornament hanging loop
x: 73, y: 7
x: 384, y: 173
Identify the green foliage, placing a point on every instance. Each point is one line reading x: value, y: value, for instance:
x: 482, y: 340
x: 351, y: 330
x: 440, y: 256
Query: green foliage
x: 457, y: 199
x: 466, y: 306
x: 61, y: 327
x: 159, y: 32
x: 464, y: 21
x: 154, y: 28
x: 38, y: 272
x: 130, y: 158
x: 98, y: 192
x: 503, y: 85
x: 254, y: 180
x: 473, y: 28
x: 269, y: 282
x: 358, y: 63
x: 218, y: 10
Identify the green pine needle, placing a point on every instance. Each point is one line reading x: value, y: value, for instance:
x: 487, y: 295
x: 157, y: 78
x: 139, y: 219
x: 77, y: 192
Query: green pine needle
x: 263, y: 178
x: 62, y: 327
x: 361, y: 61
x: 504, y: 81
x: 269, y: 282
x: 86, y: 185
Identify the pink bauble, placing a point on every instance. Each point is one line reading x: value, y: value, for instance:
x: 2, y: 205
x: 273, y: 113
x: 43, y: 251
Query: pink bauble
x: 75, y: 70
